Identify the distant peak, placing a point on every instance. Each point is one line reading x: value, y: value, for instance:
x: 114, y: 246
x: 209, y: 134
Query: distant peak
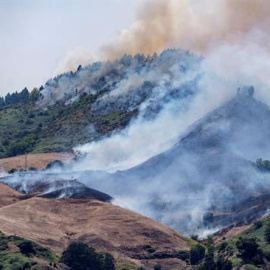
x: 247, y: 91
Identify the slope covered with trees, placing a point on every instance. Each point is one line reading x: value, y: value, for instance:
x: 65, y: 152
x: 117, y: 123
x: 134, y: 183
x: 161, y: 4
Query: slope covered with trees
x: 26, y: 128
x: 78, y: 107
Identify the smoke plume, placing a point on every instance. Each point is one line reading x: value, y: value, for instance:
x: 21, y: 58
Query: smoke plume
x: 192, y: 25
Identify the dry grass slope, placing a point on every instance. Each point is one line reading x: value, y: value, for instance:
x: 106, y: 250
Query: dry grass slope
x: 38, y: 161
x: 55, y: 223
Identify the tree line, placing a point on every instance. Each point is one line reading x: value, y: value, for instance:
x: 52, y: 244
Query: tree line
x: 24, y: 96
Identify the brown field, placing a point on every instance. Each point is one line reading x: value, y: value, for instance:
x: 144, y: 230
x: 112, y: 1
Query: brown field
x: 8, y: 196
x: 38, y: 161
x: 55, y: 223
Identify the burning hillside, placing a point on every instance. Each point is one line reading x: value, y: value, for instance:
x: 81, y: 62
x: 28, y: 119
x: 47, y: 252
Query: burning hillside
x: 210, y: 169
x: 50, y: 186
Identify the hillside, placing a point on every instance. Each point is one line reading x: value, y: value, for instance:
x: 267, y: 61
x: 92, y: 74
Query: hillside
x: 28, y: 129
x: 207, y: 179
x: 37, y: 161
x: 19, y: 253
x: 210, y: 169
x: 8, y: 195
x: 254, y: 254
x: 55, y: 223
x: 84, y: 106
x: 210, y: 172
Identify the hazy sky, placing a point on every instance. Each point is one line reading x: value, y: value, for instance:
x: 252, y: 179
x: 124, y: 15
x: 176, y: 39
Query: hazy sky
x: 36, y: 36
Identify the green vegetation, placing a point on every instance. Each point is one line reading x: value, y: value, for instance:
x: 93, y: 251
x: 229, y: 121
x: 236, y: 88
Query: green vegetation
x: 79, y: 256
x: 197, y: 253
x: 215, y: 260
x: 17, y: 253
x: 249, y: 251
x: 263, y: 165
x: 250, y: 248
x: 258, y: 233
x: 28, y: 129
x: 15, y: 261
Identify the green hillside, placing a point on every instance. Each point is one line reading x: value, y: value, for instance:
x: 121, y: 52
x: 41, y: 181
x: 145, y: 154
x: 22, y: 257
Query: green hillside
x: 249, y: 248
x: 17, y: 253
x: 28, y: 129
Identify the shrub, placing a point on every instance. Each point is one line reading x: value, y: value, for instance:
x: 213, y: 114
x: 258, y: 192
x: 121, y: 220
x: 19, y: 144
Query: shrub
x: 79, y: 256
x: 13, y: 170
x: 267, y: 234
x: 249, y: 250
x: 222, y: 246
x: 257, y: 225
x: 194, y: 237
x: 55, y: 163
x: 31, y: 115
x: 106, y: 261
x: 223, y: 264
x: 197, y: 253
x: 183, y: 255
x: 263, y: 165
x: 26, y: 248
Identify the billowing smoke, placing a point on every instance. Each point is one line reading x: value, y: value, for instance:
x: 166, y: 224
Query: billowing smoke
x: 206, y: 165
x: 146, y: 137
x: 192, y: 25
x: 188, y: 24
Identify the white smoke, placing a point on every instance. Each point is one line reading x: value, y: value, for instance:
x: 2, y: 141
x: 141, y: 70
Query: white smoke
x: 145, y: 138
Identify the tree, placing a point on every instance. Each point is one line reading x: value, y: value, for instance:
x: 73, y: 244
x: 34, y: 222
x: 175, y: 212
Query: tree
x: 79, y: 256
x: 27, y: 248
x: 55, y: 164
x: 34, y: 95
x: 267, y: 234
x: 106, y: 261
x: 249, y: 251
x: 2, y: 102
x: 222, y: 263
x: 196, y: 254
x: 24, y: 95
x: 157, y: 267
x: 263, y: 165
x: 209, y: 261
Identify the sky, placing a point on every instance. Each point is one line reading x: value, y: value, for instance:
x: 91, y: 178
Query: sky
x: 36, y: 37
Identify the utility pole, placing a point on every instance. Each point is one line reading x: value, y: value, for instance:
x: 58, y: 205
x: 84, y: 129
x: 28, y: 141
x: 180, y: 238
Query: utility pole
x: 25, y: 159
